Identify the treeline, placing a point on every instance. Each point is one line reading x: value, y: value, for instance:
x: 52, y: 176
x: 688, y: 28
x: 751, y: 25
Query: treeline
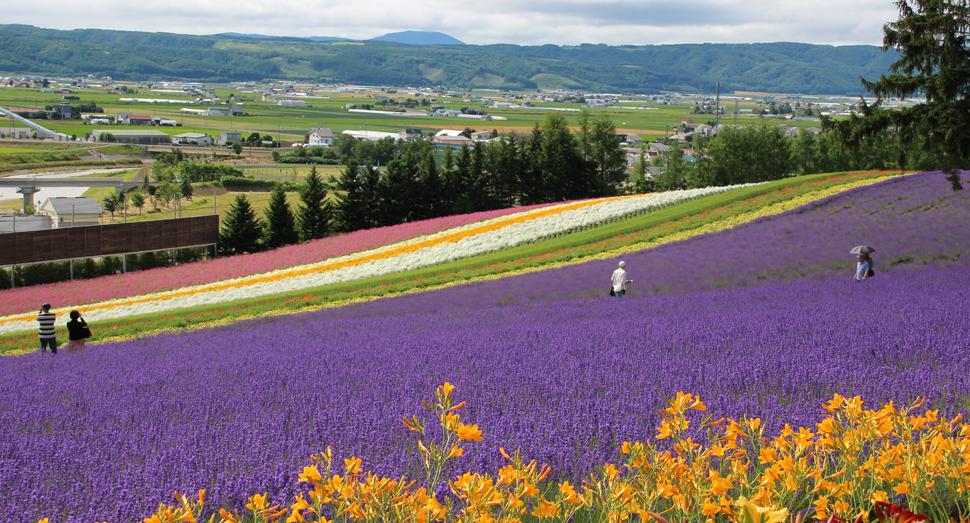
x: 772, y: 67
x: 552, y: 165
x: 762, y: 153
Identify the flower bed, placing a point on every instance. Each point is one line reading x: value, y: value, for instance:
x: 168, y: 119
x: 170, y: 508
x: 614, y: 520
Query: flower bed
x: 725, y: 217
x: 848, y: 466
x: 14, y: 301
x: 237, y: 411
x: 912, y: 220
x: 422, y: 252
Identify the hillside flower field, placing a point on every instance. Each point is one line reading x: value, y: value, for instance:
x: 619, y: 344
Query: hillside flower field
x: 210, y: 271
x: 435, y: 249
x: 761, y: 320
x: 490, y: 236
x: 913, y: 221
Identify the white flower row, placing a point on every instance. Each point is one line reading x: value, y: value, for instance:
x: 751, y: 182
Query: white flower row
x: 505, y: 237
x: 62, y: 318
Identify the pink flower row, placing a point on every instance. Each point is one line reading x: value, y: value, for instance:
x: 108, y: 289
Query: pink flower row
x: 26, y: 299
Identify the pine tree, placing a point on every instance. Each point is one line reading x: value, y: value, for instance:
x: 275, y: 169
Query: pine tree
x: 370, y: 180
x: 241, y: 229
x: 398, y: 190
x: 351, y: 214
x: 459, y: 183
x: 531, y: 188
x: 506, y: 169
x: 315, y: 214
x: 429, y: 189
x: 641, y: 178
x: 609, y: 158
x: 561, y: 164
x: 931, y: 36
x: 280, y: 222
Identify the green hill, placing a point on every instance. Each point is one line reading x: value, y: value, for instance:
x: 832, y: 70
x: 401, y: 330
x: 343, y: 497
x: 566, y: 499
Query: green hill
x: 772, y: 67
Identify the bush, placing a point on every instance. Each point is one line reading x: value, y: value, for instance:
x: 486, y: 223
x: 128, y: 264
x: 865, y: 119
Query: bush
x: 248, y: 182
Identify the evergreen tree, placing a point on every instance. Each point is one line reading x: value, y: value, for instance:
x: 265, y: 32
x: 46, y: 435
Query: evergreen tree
x: 429, y: 189
x: 398, y: 190
x: 315, y: 213
x: 370, y: 180
x: 531, y: 189
x: 673, y: 175
x: 459, y: 184
x: 506, y: 167
x: 560, y: 162
x: 609, y: 158
x: 932, y: 38
x: 641, y: 178
x: 241, y: 229
x: 351, y: 212
x: 280, y: 222
x: 448, y: 184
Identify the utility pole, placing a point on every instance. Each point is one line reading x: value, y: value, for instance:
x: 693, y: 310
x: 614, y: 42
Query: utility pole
x: 717, y: 109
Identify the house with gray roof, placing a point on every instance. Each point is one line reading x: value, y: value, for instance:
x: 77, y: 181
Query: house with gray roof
x: 71, y: 212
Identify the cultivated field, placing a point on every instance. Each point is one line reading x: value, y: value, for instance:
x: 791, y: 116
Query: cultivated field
x: 748, y: 303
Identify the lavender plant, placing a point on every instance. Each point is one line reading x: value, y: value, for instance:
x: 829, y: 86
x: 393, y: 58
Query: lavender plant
x: 236, y: 411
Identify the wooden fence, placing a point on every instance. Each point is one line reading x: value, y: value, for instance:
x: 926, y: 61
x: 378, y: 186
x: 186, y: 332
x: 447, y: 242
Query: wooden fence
x: 23, y: 248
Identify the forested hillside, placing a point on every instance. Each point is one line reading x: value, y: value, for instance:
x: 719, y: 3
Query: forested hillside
x: 773, y: 67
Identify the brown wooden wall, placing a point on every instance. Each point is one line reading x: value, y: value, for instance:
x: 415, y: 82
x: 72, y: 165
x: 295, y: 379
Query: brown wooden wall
x: 107, y: 240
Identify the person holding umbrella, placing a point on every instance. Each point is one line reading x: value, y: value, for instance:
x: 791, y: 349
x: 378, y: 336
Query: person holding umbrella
x: 864, y: 263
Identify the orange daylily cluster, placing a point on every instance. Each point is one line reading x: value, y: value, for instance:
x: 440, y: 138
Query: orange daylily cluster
x: 847, y: 468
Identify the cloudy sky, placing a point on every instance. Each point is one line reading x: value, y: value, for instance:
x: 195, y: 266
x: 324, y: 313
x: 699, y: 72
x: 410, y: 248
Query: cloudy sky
x: 529, y: 22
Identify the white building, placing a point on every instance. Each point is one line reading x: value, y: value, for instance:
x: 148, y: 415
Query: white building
x: 372, y: 136
x: 192, y: 138
x: 292, y: 103
x: 320, y: 138
x: 71, y: 212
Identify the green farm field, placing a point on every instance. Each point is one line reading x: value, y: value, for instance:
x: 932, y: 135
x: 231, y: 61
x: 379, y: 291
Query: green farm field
x: 295, y: 122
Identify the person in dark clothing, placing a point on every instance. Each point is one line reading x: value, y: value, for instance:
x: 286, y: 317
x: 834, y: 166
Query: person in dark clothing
x: 47, y: 334
x: 77, y: 330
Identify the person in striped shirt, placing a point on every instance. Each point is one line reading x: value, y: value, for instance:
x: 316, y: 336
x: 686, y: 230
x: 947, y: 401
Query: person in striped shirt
x: 47, y: 336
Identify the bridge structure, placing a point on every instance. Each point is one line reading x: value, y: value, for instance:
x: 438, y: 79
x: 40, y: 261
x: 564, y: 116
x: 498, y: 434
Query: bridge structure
x: 30, y: 186
x: 41, y: 129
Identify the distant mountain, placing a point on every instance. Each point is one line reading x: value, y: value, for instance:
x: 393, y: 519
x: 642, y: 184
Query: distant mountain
x: 419, y: 38
x: 780, y: 67
x: 403, y: 37
x: 267, y: 37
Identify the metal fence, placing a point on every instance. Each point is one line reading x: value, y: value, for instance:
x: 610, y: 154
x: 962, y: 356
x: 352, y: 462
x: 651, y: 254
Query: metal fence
x: 23, y: 248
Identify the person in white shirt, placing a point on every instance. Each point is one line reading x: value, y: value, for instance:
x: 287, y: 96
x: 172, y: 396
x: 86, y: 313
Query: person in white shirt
x: 620, y: 280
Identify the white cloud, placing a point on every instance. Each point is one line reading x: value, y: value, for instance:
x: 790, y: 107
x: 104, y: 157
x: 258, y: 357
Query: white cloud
x: 560, y: 22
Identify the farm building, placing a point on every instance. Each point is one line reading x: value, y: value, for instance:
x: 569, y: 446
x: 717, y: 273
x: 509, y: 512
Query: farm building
x: 146, y: 137
x: 227, y: 137
x: 71, y: 212
x: 192, y: 139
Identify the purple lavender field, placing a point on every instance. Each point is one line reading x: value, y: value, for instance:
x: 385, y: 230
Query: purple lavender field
x: 109, y: 433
